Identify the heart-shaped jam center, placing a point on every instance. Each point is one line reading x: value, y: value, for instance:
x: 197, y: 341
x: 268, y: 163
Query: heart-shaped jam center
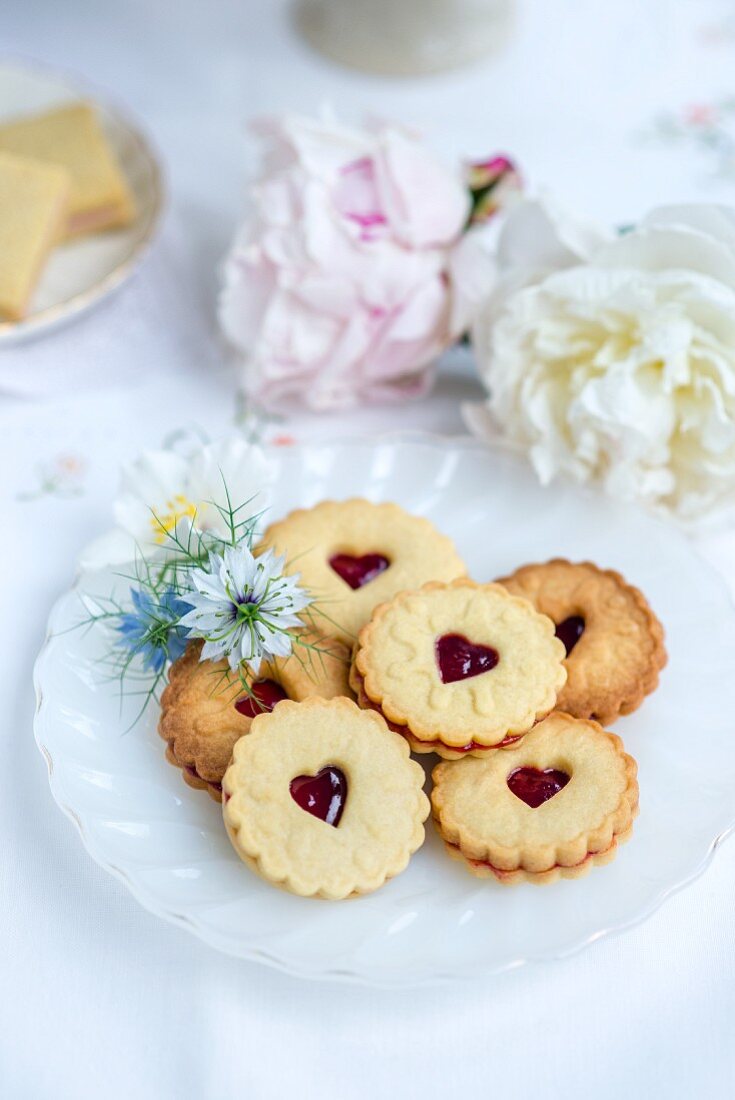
x: 570, y: 631
x: 358, y: 571
x: 323, y: 795
x: 264, y: 696
x: 458, y: 658
x: 535, y: 787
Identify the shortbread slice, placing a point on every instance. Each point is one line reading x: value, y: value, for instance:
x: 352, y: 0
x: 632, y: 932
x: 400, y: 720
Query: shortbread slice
x: 71, y: 137
x: 33, y: 208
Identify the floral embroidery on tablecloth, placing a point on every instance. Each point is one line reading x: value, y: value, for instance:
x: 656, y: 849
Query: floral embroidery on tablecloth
x: 259, y: 425
x: 61, y: 477
x: 706, y: 127
x: 719, y: 32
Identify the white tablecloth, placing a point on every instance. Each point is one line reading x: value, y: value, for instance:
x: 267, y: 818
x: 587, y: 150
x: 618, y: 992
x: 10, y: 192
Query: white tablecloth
x: 616, y: 107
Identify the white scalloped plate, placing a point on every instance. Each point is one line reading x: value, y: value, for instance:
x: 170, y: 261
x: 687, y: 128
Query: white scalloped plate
x: 434, y: 922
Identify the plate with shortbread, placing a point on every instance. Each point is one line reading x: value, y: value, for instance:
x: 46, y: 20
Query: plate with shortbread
x: 517, y: 738
x: 80, y: 198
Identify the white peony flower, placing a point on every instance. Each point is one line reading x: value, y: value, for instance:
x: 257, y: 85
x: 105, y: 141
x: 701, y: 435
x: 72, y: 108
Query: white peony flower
x: 612, y: 360
x: 165, y: 491
x: 243, y: 607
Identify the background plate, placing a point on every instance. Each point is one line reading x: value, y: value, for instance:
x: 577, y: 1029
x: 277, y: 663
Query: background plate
x: 434, y: 922
x: 82, y: 272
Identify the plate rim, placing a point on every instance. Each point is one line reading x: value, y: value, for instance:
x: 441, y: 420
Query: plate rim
x: 346, y: 975
x: 38, y: 324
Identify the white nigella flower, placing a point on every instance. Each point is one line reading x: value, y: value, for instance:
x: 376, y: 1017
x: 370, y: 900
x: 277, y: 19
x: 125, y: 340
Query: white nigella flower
x: 243, y: 607
x: 163, y: 491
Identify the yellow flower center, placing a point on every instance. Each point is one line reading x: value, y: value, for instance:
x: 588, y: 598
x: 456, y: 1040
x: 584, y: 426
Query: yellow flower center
x: 164, y: 523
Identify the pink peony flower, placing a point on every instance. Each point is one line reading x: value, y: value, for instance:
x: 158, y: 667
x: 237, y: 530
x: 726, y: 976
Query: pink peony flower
x: 336, y: 289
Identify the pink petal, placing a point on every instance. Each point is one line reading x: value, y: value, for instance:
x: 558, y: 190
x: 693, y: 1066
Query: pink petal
x: 425, y: 204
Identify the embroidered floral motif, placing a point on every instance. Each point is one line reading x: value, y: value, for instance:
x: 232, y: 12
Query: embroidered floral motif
x: 706, y: 128
x: 62, y: 477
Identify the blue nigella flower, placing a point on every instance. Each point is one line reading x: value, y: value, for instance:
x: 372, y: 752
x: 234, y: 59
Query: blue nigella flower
x: 151, y: 630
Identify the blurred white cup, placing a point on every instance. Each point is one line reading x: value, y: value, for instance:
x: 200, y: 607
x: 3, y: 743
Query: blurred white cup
x: 404, y: 37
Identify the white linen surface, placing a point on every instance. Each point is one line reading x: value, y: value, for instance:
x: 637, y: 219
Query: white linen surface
x: 97, y: 998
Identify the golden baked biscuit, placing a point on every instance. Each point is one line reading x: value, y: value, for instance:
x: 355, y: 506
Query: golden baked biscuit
x: 551, y: 807
x: 459, y: 668
x: 323, y: 800
x: 204, y: 709
x: 71, y: 137
x: 614, y: 642
x: 353, y: 555
x: 34, y: 200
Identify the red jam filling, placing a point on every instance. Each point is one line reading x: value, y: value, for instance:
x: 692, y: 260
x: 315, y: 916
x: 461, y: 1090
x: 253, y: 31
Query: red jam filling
x: 570, y: 631
x: 501, y: 874
x: 323, y: 795
x: 358, y: 571
x: 471, y: 746
x: 535, y: 787
x: 265, y: 695
x: 190, y: 770
x: 458, y: 658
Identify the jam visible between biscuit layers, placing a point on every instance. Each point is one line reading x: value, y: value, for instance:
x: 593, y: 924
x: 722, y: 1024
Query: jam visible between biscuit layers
x: 191, y: 770
x: 502, y: 875
x: 358, y: 571
x: 535, y: 787
x: 458, y: 658
x: 367, y: 703
x: 323, y: 795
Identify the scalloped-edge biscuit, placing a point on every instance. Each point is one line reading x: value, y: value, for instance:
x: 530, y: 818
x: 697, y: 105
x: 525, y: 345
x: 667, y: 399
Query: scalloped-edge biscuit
x: 310, y: 537
x: 396, y: 667
x: 617, y: 660
x: 381, y: 825
x: 421, y: 748
x: 498, y: 835
x: 199, y: 721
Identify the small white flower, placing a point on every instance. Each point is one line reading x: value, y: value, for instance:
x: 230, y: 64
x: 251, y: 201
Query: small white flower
x: 164, y: 491
x: 612, y: 360
x: 243, y: 607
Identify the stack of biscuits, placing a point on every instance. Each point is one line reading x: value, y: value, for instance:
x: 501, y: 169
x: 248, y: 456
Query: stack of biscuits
x: 509, y: 683
x: 59, y: 179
